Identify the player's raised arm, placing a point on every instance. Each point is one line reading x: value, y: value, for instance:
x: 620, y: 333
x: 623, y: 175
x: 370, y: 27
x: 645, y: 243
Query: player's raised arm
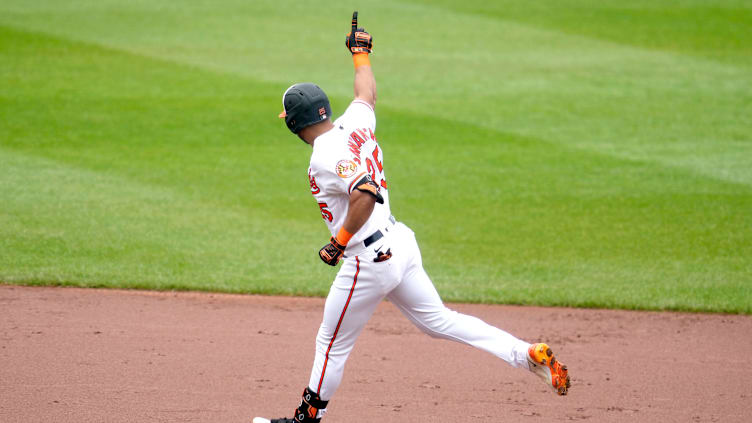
x: 359, y: 42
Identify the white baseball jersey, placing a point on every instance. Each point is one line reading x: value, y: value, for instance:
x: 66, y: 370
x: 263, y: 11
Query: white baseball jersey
x: 341, y: 158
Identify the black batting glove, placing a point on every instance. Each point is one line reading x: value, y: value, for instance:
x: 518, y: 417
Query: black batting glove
x: 358, y: 40
x: 332, y: 252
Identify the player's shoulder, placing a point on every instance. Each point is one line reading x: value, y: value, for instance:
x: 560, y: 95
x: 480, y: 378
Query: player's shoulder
x: 359, y: 114
x: 329, y: 147
x: 362, y: 105
x: 359, y: 108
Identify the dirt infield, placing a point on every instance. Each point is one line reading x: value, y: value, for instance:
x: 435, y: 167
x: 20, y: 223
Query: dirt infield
x: 85, y: 355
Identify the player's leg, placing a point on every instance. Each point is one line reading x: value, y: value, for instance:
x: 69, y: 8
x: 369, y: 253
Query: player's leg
x: 417, y: 299
x: 354, y: 295
x: 351, y: 301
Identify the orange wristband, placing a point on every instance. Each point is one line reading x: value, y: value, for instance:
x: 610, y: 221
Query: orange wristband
x: 343, y: 237
x: 361, y: 59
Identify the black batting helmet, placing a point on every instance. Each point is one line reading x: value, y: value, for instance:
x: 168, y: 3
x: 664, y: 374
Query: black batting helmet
x: 304, y: 105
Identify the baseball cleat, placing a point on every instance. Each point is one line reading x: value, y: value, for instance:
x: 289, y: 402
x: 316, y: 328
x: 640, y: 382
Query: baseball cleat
x: 263, y: 420
x: 544, y: 364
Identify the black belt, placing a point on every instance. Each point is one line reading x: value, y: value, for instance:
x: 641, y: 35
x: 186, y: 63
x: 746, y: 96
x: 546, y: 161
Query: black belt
x: 373, y: 238
x: 377, y: 235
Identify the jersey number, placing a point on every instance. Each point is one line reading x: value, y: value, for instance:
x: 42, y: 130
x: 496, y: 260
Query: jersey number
x: 372, y: 169
x: 326, y: 214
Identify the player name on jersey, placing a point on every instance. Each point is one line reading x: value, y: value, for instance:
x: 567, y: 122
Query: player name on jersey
x: 356, y: 140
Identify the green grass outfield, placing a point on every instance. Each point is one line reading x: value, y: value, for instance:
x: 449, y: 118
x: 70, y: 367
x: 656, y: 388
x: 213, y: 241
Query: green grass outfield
x: 569, y: 153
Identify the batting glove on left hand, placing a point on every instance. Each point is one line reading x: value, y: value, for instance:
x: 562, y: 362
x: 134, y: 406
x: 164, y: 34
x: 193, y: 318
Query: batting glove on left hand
x: 332, y: 252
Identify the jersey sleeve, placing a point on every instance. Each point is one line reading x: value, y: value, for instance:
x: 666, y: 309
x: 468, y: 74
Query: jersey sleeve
x: 338, y: 174
x: 359, y: 115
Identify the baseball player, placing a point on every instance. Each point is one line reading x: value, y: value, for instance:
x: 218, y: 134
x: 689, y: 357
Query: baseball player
x: 380, y: 257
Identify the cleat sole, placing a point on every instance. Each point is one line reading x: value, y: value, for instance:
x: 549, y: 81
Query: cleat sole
x: 544, y: 364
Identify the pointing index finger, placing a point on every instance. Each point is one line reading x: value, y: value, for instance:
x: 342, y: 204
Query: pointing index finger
x: 355, y: 22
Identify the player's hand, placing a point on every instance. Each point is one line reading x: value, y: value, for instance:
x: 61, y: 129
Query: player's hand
x: 332, y: 252
x: 358, y: 40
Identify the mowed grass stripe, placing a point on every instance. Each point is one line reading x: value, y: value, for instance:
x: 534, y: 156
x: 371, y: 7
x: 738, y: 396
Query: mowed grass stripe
x: 559, y: 226
x: 717, y: 30
x: 67, y: 226
x: 151, y: 120
x: 501, y: 218
x: 508, y: 71
x: 166, y: 130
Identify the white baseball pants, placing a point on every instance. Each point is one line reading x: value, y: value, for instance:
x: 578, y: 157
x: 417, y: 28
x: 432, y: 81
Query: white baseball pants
x: 360, y: 286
